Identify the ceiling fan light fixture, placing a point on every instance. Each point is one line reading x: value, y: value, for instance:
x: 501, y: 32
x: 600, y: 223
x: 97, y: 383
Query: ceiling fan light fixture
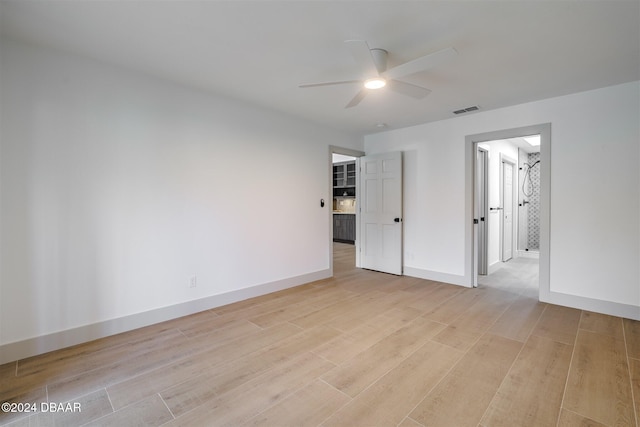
x: 375, y: 83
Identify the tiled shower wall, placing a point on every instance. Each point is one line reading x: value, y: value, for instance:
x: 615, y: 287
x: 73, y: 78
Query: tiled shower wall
x: 533, y: 242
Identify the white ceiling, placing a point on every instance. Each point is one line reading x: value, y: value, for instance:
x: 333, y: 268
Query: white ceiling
x: 510, y: 51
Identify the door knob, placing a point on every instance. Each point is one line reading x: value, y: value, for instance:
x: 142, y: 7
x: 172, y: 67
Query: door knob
x: 396, y: 219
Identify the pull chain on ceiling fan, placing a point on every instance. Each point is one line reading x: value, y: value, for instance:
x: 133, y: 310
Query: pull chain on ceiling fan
x: 373, y: 63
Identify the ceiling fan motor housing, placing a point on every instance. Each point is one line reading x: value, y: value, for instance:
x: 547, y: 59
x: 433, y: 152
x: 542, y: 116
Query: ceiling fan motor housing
x: 379, y: 59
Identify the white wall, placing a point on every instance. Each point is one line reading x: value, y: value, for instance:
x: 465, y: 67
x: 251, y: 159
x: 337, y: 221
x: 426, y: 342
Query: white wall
x: 594, y: 200
x: 117, y: 187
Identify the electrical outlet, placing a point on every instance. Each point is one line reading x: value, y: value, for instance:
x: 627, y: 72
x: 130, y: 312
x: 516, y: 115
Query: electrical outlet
x: 193, y: 281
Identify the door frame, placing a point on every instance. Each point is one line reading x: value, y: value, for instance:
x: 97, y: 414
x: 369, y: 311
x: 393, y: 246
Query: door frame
x: 329, y: 200
x: 514, y: 186
x: 471, y: 141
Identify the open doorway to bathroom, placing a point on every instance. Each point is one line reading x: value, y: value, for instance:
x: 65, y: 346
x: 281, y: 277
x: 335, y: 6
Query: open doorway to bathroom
x: 518, y: 175
x: 509, y: 209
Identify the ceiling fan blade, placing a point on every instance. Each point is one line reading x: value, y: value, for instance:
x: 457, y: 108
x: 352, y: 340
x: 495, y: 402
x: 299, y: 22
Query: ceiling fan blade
x: 356, y: 99
x: 417, y: 92
x: 362, y: 54
x: 420, y: 64
x: 329, y: 83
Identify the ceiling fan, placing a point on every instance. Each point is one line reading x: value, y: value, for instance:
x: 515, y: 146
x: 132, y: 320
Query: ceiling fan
x: 373, y: 63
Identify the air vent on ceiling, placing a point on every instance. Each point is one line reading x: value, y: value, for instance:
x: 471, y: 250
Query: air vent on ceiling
x: 467, y: 110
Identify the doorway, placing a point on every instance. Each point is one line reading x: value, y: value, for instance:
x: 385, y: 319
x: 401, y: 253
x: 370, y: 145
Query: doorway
x: 344, y: 189
x: 507, y: 150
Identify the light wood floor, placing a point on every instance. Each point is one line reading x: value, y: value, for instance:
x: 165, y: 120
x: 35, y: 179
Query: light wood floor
x: 362, y: 348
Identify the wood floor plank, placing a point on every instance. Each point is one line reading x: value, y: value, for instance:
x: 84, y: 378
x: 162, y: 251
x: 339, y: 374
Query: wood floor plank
x: 8, y: 370
x: 173, y: 350
x: 602, y: 324
x: 462, y: 396
x: 186, y: 323
x: 117, y: 370
x: 635, y: 385
x: 599, y: 386
x: 242, y: 403
x: 558, y: 323
x: 439, y: 294
x: 283, y: 296
x: 20, y: 393
x: 231, y: 365
x: 532, y: 391
x: 518, y: 321
x: 327, y: 314
x: 224, y: 377
x: 33, y: 390
x: 349, y: 344
x: 70, y: 362
x: 419, y: 286
x: 91, y: 407
x: 209, y: 328
x: 149, y: 412
x: 357, y: 373
x: 283, y: 299
x: 359, y: 315
x: 249, y: 343
x: 408, y: 422
x: 571, y: 419
x: 310, y: 304
x: 392, y: 397
x: 74, y: 357
x: 463, y: 332
x: 454, y: 307
x: 309, y: 406
x: 145, y: 385
x: 25, y: 421
x: 632, y: 337
x: 212, y: 337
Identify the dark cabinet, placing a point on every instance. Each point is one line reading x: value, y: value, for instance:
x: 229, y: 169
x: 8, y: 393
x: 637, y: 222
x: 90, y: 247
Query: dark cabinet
x: 344, y: 179
x: 344, y: 228
x: 344, y: 174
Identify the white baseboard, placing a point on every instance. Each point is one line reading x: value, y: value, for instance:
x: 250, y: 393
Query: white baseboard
x: 55, y: 341
x: 604, y: 307
x: 598, y: 306
x: 437, y: 276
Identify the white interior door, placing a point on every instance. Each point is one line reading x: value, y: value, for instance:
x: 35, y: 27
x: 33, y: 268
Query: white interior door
x: 381, y: 212
x: 507, y: 210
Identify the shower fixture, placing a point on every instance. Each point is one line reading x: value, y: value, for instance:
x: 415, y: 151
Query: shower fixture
x: 527, y: 175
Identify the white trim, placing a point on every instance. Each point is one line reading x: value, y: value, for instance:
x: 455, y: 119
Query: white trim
x: 437, y: 276
x: 599, y: 306
x: 57, y: 340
